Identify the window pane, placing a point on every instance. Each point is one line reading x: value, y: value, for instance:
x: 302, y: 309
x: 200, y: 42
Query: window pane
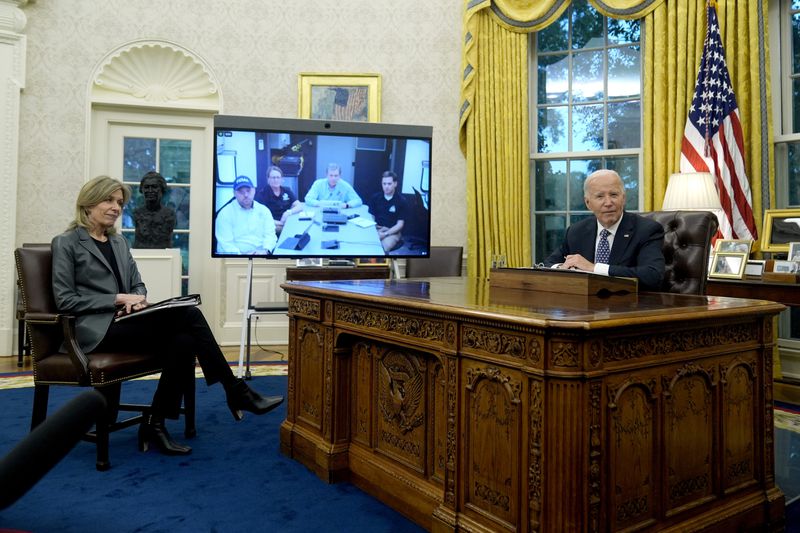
x: 623, y: 125
x: 796, y: 106
x: 587, y: 76
x: 552, y: 85
x: 549, y: 233
x: 178, y: 199
x: 554, y: 37
x: 551, y: 190
x: 628, y: 169
x: 175, y: 161
x: 578, y: 170
x: 587, y: 128
x: 623, y: 31
x: 794, y: 173
x: 587, y: 26
x: 140, y: 158
x: 181, y: 240
x: 135, y: 202
x: 624, y: 71
x: 552, y: 129
x: 796, y: 43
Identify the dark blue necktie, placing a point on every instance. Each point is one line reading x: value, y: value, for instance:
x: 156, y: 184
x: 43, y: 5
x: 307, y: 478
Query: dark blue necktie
x: 603, y: 251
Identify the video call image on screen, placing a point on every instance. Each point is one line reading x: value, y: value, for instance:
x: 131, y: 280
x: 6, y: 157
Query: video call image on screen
x: 308, y: 188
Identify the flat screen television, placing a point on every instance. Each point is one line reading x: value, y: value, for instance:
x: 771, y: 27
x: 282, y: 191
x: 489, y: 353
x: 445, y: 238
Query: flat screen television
x: 298, y: 188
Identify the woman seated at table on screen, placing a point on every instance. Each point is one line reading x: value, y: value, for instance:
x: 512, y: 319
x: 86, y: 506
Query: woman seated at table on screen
x: 95, y: 278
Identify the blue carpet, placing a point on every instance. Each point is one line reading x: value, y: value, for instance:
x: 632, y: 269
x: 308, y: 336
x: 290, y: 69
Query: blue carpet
x: 235, y: 480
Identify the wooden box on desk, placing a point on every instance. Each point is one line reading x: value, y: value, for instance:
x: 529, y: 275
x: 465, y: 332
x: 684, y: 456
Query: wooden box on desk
x: 560, y: 281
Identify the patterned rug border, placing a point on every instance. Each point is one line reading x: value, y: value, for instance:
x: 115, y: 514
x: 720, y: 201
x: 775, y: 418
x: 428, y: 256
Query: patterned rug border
x: 18, y: 380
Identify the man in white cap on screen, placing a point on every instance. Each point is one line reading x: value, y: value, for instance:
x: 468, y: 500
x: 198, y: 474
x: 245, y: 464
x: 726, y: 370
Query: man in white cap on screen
x: 245, y: 227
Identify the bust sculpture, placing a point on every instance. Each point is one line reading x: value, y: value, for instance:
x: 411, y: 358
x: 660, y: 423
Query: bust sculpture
x: 153, y: 221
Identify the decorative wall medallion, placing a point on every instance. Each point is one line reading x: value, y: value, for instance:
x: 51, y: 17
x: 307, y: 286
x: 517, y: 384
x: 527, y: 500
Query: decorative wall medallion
x: 401, y: 389
x: 418, y: 328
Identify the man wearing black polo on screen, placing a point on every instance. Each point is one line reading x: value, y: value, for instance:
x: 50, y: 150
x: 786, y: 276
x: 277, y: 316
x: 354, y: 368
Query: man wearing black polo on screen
x: 389, y: 209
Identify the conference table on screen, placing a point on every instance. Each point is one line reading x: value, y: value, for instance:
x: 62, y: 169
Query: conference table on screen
x: 352, y: 238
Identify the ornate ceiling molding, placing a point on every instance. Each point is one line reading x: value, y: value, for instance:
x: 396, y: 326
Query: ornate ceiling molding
x: 155, y: 74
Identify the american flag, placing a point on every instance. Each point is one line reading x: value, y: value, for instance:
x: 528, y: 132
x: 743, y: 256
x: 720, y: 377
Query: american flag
x: 713, y: 140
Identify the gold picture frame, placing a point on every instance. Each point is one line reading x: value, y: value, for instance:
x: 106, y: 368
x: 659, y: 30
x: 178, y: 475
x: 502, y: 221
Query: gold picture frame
x: 781, y: 227
x: 372, y: 261
x: 728, y: 265
x: 733, y: 245
x: 354, y: 97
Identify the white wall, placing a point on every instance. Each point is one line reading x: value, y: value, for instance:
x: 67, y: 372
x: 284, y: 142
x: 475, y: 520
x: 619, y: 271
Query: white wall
x: 256, y: 48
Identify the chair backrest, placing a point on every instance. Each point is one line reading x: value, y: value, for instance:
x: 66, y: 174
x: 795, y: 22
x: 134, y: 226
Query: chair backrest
x: 35, y: 271
x: 443, y: 261
x: 20, y: 304
x: 687, y: 243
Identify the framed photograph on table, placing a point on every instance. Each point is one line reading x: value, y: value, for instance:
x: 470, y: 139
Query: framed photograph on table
x: 781, y: 228
x: 754, y: 268
x: 733, y: 245
x: 728, y: 265
x: 372, y: 262
x: 355, y: 97
x: 794, y: 251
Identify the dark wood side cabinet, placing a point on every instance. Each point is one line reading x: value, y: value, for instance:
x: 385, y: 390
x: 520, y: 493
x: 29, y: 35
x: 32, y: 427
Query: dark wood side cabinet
x: 336, y: 273
x: 468, y: 409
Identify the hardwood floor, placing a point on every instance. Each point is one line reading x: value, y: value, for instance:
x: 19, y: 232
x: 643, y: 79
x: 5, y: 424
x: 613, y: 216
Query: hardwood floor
x: 257, y: 353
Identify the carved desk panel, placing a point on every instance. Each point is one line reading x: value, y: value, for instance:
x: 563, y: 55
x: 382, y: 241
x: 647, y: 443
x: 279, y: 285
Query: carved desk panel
x: 469, y: 410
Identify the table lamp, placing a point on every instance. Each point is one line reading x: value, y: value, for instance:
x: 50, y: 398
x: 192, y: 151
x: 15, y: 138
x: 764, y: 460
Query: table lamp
x: 691, y: 190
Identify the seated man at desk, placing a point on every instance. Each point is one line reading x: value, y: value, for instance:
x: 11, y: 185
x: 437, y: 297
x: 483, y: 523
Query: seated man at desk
x: 280, y: 200
x: 389, y: 210
x: 244, y: 227
x: 612, y: 242
x: 333, y: 189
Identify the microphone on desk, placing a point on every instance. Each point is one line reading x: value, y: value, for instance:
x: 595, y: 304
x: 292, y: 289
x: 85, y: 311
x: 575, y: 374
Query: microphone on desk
x: 47, y: 444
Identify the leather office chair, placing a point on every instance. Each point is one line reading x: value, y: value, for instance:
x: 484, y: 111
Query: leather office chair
x: 443, y: 261
x: 105, y: 372
x: 687, y: 244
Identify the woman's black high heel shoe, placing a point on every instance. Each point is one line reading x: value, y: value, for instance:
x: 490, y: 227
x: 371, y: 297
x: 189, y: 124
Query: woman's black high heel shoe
x: 154, y: 431
x: 243, y: 398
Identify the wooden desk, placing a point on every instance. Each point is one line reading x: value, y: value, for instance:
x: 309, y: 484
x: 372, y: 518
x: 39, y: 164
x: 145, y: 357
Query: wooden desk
x: 477, y: 410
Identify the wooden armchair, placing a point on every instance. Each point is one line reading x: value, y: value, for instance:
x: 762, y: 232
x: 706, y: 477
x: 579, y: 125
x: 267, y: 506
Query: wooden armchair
x: 105, y: 372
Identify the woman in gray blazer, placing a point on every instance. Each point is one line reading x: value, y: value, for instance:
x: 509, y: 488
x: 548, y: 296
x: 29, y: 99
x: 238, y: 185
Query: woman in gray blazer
x: 95, y: 278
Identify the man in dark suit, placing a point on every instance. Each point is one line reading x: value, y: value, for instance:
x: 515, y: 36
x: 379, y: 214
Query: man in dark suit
x: 612, y: 242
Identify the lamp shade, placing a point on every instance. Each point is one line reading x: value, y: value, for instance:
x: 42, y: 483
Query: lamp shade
x: 691, y: 190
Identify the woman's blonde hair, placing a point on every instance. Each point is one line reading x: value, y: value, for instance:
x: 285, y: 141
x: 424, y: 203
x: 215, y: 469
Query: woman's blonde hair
x: 92, y: 193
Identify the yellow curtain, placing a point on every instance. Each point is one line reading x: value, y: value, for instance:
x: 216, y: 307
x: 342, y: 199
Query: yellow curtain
x: 673, y: 44
x: 494, y: 112
x: 495, y: 140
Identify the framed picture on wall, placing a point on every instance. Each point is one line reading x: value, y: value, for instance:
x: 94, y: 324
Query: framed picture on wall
x: 355, y: 97
x: 781, y: 228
